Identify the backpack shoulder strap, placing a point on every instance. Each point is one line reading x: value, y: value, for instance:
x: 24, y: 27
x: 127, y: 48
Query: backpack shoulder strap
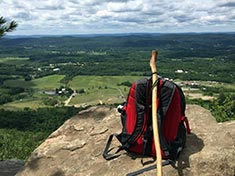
x: 141, y: 171
x: 167, y: 93
x: 107, y: 149
x: 160, y: 83
x: 140, y: 108
x: 166, y: 90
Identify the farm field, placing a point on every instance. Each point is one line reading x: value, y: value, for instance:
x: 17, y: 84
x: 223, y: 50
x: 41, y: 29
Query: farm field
x: 48, y: 82
x: 13, y: 60
x: 100, y: 89
x: 25, y: 103
x: 93, y: 90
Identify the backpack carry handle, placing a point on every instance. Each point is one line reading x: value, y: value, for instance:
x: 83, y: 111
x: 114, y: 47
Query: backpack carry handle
x: 154, y: 113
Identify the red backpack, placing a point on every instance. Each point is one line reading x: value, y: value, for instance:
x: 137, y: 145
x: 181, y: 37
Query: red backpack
x: 137, y: 131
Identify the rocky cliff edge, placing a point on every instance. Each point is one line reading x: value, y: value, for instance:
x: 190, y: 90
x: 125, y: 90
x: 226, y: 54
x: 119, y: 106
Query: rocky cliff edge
x: 75, y: 149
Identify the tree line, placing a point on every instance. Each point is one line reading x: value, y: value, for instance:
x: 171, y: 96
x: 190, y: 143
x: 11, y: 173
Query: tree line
x: 222, y: 108
x: 22, y: 131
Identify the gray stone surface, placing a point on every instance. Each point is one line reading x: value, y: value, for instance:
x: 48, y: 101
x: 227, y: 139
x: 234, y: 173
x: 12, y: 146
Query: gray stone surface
x: 10, y: 167
x: 75, y: 149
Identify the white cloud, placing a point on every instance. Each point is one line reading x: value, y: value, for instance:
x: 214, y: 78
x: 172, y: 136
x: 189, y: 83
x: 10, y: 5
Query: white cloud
x: 114, y: 16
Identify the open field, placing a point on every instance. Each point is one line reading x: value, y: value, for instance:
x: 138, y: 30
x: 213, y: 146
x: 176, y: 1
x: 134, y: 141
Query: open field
x: 45, y: 83
x: 97, y: 90
x: 100, y: 96
x: 35, y: 91
x: 100, y: 89
x: 48, y: 82
x: 93, y: 90
x: 218, y: 85
x: 25, y: 103
x: 13, y: 60
x: 91, y: 82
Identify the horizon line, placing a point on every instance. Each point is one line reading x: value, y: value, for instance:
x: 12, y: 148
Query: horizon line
x: 10, y: 35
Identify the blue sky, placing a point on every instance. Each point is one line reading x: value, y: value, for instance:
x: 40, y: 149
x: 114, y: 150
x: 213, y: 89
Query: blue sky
x: 60, y: 17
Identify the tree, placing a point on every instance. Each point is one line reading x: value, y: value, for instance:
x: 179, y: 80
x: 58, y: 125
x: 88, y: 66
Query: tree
x: 224, y: 111
x: 6, y: 26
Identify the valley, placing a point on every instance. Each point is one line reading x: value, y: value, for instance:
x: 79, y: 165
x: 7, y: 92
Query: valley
x: 46, y: 80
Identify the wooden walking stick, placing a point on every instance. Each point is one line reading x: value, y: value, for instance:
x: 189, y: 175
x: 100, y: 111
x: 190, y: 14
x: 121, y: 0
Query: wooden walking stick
x: 154, y: 113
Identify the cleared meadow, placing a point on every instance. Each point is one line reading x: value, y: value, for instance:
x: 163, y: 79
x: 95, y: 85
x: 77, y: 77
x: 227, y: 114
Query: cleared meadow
x: 100, y: 89
x: 96, y: 90
x: 48, y: 82
x: 91, y: 90
x: 13, y: 60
